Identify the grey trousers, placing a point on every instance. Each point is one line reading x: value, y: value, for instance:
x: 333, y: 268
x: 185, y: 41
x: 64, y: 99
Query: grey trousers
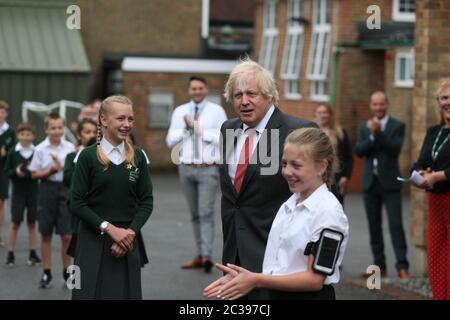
x: 200, y: 186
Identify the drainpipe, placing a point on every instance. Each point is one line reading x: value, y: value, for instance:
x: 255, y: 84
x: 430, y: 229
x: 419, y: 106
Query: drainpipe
x: 205, y: 26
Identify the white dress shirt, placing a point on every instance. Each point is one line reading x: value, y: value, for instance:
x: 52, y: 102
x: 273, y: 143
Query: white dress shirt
x: 211, y: 116
x: 233, y: 160
x: 42, y: 159
x: 297, y: 224
x: 4, y: 127
x: 115, y: 154
x: 25, y: 152
x: 383, y: 123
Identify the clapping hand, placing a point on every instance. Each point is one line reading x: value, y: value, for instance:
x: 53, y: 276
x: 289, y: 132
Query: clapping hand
x: 188, y: 122
x: 374, y: 125
x: 57, y: 165
x: 19, y: 171
x: 3, y: 152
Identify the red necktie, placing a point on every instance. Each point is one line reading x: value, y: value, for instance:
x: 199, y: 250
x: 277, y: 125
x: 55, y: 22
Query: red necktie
x: 244, y: 158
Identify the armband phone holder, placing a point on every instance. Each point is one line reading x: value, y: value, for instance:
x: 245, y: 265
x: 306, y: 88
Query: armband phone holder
x: 325, y: 251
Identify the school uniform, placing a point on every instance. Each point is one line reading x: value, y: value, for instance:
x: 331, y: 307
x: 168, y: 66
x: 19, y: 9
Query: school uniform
x: 8, y: 140
x: 24, y: 189
x: 52, y: 199
x: 121, y: 195
x: 69, y: 168
x: 297, y: 224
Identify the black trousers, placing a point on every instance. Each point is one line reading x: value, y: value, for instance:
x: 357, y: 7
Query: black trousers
x: 373, y: 201
x: 327, y: 293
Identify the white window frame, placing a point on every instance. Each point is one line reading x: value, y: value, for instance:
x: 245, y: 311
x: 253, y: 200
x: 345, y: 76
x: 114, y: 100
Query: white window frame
x: 293, y: 48
x: 319, y: 51
x: 160, y: 98
x: 397, y: 15
x: 406, y: 80
x: 269, y: 43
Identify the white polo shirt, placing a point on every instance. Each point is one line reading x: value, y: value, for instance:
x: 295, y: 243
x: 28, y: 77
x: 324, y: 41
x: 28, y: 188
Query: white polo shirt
x: 297, y: 224
x: 42, y: 159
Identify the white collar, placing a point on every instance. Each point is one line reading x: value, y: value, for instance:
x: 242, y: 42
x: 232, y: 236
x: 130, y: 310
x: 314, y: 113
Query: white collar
x: 46, y: 142
x: 309, y: 203
x: 108, y: 147
x: 263, y: 123
x: 200, y: 105
x: 4, y: 126
x: 384, y: 120
x: 19, y: 147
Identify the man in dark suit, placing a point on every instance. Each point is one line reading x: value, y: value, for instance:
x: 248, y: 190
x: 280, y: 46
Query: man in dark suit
x: 251, y: 182
x: 380, y: 140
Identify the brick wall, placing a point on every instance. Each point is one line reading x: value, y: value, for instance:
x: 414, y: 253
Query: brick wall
x: 432, y: 47
x: 156, y: 27
x: 137, y: 86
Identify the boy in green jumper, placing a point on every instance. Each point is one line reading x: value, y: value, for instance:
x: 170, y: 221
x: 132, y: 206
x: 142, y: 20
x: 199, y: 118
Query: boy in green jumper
x: 24, y: 194
x: 7, y: 141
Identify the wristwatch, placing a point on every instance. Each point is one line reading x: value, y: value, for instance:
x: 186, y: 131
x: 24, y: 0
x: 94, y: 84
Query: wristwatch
x: 103, y: 226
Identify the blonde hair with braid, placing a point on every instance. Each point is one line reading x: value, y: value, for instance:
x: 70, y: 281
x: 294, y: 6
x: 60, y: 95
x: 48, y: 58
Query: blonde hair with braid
x: 104, y: 109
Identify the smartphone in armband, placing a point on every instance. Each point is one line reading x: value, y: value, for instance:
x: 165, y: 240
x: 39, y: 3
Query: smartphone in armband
x: 327, y: 251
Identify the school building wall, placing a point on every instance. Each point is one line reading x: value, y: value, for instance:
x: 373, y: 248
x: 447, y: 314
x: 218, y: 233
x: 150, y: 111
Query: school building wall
x: 137, y: 86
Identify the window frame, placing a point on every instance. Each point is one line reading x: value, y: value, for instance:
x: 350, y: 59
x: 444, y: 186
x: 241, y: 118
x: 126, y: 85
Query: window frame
x: 269, y: 41
x: 293, y: 51
x: 397, y: 15
x: 399, y: 81
x: 152, y: 103
x: 319, y: 50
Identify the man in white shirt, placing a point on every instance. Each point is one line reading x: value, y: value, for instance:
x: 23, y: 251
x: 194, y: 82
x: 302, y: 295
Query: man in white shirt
x: 194, y: 137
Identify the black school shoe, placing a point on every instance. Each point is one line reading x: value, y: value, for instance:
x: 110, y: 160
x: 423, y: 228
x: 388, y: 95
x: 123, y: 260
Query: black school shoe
x: 33, y: 258
x: 10, y: 259
x: 45, y: 282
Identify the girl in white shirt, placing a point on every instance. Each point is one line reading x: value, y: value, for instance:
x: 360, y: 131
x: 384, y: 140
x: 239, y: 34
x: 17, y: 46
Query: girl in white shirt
x: 307, y: 165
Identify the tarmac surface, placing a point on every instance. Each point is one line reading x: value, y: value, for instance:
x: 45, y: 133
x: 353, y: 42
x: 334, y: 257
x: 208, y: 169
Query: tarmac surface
x: 170, y: 242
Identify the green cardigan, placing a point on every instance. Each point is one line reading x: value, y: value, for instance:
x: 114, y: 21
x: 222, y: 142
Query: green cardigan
x: 121, y: 194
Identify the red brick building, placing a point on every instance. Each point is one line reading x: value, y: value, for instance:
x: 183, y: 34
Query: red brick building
x: 322, y: 50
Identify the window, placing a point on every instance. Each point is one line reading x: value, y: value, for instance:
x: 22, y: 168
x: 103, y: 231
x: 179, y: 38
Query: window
x: 319, y: 51
x: 269, y: 45
x: 214, y: 96
x: 293, y: 46
x: 160, y: 108
x: 404, y: 10
x: 404, y: 69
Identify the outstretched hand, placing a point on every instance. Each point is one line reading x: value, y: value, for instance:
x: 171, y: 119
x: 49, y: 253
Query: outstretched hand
x: 236, y: 283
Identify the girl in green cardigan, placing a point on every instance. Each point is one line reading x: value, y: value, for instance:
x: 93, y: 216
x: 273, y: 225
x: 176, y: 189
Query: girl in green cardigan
x: 112, y: 196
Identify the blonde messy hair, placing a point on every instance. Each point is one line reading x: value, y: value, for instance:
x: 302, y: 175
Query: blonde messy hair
x: 444, y: 84
x: 104, y: 109
x: 264, y: 80
x: 320, y: 147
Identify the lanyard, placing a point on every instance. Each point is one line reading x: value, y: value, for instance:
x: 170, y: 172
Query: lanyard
x: 434, y: 151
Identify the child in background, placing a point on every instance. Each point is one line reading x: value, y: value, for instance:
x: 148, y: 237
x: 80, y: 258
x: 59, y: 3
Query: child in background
x: 7, y: 142
x: 85, y: 133
x: 24, y: 192
x: 307, y: 165
x: 53, y: 213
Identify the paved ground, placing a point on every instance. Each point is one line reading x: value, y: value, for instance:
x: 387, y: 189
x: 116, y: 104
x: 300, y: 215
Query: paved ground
x: 169, y: 240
